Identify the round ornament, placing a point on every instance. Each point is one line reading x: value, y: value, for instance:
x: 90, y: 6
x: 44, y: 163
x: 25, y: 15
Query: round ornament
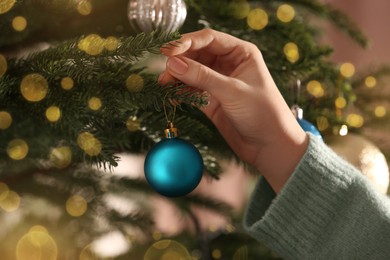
x: 173, y: 167
x: 364, y: 155
x: 148, y: 15
x: 306, y: 125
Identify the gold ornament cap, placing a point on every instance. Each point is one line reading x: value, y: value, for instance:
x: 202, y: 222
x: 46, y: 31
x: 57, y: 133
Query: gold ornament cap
x: 170, y: 131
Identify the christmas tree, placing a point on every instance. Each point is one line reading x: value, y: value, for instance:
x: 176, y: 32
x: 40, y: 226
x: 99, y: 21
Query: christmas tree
x: 79, y: 95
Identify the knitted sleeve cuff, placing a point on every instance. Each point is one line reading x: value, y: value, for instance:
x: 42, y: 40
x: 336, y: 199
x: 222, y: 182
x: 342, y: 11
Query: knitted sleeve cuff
x: 292, y: 222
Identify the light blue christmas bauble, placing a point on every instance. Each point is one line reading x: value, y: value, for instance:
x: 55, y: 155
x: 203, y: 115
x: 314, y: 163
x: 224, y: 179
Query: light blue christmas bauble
x: 173, y: 167
x: 309, y: 127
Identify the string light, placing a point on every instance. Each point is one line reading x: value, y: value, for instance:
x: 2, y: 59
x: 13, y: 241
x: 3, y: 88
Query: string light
x: 94, y: 103
x: 111, y: 43
x: 285, y: 13
x: 216, y: 254
x: 343, y: 130
x: 291, y: 51
x: 36, y: 244
x: 257, y: 19
x: 135, y: 83
x: 340, y: 102
x: 89, y: 143
x: 76, y: 206
x: 3, y: 65
x: 17, y: 149
x: 19, y: 23
x: 133, y: 124
x: 166, y: 249
x: 67, y: 83
x: 10, y: 202
x: 84, y: 7
x: 5, y: 120
x: 347, y: 69
x: 53, y: 114
x: 370, y: 81
x: 380, y: 111
x: 34, y: 87
x: 355, y: 120
x: 61, y: 157
x: 6, y: 5
x: 315, y: 88
x: 92, y: 44
x: 239, y: 9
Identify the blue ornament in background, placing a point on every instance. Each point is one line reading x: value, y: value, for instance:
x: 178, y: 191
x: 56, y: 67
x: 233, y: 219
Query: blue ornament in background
x: 173, y: 167
x: 306, y: 125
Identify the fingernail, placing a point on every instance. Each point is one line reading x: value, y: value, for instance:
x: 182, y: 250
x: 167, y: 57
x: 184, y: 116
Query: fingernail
x: 177, y: 65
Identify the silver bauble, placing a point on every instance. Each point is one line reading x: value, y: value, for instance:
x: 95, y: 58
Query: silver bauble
x: 148, y: 15
x: 365, y: 156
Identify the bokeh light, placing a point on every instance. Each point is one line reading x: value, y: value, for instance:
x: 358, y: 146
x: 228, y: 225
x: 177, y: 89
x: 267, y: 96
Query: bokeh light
x: 216, y: 254
x: 19, y: 23
x: 3, y: 190
x: 38, y: 228
x: 3, y: 65
x: 61, y: 157
x: 10, y: 201
x: 92, y: 44
x: 84, y: 7
x: 239, y: 9
x: 6, y: 5
x: 167, y: 250
x: 76, y: 206
x: 135, y: 83
x: 88, y: 254
x: 111, y: 43
x: 322, y: 123
x: 241, y: 253
x: 355, y: 120
x: 53, y: 113
x: 257, y: 19
x: 347, y: 69
x: 340, y: 102
x: 133, y: 124
x: 157, y: 235
x: 315, y: 88
x: 291, y: 51
x: 94, y: 103
x: 17, y: 149
x: 36, y: 245
x: 34, y: 87
x: 370, y: 81
x: 380, y: 111
x: 5, y: 120
x: 89, y: 143
x: 285, y: 13
x: 67, y: 83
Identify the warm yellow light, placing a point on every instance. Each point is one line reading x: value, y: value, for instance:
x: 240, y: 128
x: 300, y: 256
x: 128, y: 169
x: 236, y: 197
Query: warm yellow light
x: 133, y: 124
x: 285, y: 13
x: 315, y: 88
x: 53, y: 114
x: 157, y: 235
x: 166, y: 250
x: 93, y: 44
x: 19, y: 23
x: 5, y: 120
x: 257, y: 19
x: 61, y: 157
x: 38, y: 228
x: 380, y: 111
x: 322, y: 123
x: 3, y: 65
x: 239, y: 9
x: 36, y: 245
x: 10, y: 202
x: 291, y: 51
x: 34, y: 87
x: 3, y: 191
x: 370, y: 81
x: 94, y: 103
x: 67, y: 83
x: 89, y: 143
x: 111, y: 43
x: 340, y: 102
x: 6, y: 5
x: 347, y: 70
x: 355, y: 120
x: 135, y: 83
x: 84, y: 7
x: 76, y: 206
x: 216, y: 253
x: 17, y: 149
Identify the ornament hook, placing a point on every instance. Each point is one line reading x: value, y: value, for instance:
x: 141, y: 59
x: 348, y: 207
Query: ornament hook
x: 171, y: 130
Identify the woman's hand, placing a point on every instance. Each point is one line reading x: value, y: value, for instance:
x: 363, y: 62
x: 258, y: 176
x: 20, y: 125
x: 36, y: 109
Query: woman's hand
x: 244, y: 103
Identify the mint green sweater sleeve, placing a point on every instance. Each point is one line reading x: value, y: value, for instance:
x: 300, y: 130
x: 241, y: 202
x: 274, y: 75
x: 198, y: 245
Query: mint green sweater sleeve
x: 327, y: 210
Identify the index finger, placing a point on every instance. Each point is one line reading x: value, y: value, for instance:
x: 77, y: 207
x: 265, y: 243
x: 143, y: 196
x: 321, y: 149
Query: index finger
x: 214, y: 42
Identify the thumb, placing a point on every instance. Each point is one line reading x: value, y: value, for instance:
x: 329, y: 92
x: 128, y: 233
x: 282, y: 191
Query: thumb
x: 198, y: 75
